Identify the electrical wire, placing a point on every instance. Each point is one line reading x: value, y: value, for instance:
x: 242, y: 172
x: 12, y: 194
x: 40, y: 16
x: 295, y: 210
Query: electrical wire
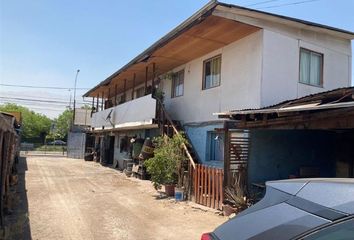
x: 44, y: 105
x: 39, y: 100
x: 41, y: 107
x: 288, y: 4
x: 42, y: 87
x: 259, y: 3
x: 13, y: 94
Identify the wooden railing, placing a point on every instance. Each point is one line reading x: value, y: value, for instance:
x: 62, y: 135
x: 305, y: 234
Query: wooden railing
x: 169, y: 128
x: 204, y: 182
x: 165, y: 116
x: 208, y: 186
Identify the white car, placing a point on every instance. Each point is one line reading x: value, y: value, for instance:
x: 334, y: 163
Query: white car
x: 307, y: 209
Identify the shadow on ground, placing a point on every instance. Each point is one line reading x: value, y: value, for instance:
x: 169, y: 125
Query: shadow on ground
x: 17, y: 219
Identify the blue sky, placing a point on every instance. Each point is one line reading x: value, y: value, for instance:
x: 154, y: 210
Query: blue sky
x: 45, y: 42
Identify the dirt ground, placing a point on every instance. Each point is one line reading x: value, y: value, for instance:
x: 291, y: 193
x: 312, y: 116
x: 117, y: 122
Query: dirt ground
x: 74, y: 199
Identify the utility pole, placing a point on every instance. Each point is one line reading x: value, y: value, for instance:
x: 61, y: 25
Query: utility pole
x: 77, y: 73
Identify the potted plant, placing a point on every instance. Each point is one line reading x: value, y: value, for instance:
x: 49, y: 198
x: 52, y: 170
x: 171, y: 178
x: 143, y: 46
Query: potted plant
x: 165, y: 165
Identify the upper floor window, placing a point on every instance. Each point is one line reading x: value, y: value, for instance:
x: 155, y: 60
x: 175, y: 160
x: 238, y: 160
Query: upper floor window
x: 140, y: 92
x: 311, y: 67
x: 211, y: 72
x: 178, y: 84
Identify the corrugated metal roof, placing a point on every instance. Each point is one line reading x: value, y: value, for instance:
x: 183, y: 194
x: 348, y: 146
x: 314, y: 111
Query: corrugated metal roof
x: 337, y: 98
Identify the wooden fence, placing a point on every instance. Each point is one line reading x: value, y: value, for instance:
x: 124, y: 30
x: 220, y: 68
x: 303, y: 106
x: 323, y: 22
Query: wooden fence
x: 208, y: 186
x: 7, y: 153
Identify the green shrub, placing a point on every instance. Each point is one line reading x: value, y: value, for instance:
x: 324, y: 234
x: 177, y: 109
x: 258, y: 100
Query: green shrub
x: 168, y: 157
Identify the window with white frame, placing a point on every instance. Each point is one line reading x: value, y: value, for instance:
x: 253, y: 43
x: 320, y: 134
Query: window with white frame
x: 178, y: 84
x: 311, y: 67
x: 212, y: 72
x: 140, y: 92
x: 215, y: 146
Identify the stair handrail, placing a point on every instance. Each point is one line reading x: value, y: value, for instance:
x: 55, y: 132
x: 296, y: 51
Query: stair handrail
x: 184, y: 146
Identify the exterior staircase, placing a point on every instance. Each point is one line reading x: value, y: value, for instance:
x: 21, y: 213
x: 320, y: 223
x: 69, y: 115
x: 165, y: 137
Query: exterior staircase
x: 169, y: 128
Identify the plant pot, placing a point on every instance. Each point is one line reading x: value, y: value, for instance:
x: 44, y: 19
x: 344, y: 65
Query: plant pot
x: 228, y: 210
x: 170, y: 190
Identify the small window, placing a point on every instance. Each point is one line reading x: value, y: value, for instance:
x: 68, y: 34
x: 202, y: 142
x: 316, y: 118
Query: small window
x: 311, y: 67
x: 215, y: 150
x: 212, y: 71
x: 178, y: 84
x: 140, y: 92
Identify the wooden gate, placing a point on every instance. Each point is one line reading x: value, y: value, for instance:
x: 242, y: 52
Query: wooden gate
x: 208, y: 186
x: 236, y: 159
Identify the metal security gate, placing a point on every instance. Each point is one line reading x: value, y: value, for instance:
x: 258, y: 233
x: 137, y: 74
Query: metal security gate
x: 76, y: 145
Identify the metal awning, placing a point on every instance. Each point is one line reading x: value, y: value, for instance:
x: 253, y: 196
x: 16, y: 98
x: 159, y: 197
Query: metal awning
x: 337, y: 98
x: 299, y: 108
x: 326, y: 110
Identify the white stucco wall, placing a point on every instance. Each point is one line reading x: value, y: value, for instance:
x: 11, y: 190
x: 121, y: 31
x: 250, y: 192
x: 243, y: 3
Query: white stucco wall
x: 239, y: 88
x: 280, y: 62
x: 259, y: 70
x: 138, y: 112
x: 281, y: 53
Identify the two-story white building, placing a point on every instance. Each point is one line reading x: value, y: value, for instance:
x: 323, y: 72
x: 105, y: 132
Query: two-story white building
x: 221, y: 58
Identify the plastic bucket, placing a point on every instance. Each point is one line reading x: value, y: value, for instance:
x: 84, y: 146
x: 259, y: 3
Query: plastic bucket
x: 179, y: 194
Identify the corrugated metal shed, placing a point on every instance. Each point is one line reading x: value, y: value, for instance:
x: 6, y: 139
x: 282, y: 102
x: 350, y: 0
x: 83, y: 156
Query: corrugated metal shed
x: 338, y: 98
x: 327, y: 110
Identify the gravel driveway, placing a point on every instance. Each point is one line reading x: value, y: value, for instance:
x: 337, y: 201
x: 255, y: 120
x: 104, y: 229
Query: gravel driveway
x: 74, y: 199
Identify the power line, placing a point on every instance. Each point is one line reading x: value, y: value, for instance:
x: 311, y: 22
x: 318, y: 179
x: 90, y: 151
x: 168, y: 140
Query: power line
x: 39, y: 100
x: 259, y: 3
x: 44, y: 108
x: 47, y: 109
x: 11, y: 95
x: 42, y: 87
x: 288, y: 4
x: 43, y: 105
x: 45, y: 100
x: 52, y: 108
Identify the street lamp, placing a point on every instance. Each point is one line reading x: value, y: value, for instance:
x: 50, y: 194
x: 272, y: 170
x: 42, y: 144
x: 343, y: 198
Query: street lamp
x: 77, y: 73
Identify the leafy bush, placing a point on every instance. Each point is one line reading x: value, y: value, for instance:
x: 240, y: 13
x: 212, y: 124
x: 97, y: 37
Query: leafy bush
x: 168, y: 157
x: 34, y: 125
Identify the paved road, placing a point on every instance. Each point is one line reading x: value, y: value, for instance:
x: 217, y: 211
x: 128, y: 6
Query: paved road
x: 73, y: 199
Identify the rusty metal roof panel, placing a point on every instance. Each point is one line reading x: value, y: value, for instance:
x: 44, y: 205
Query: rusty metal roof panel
x: 337, y: 98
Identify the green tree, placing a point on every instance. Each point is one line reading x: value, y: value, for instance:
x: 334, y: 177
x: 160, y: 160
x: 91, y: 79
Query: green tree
x: 34, y: 125
x: 165, y: 166
x: 86, y: 106
x: 62, y: 124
